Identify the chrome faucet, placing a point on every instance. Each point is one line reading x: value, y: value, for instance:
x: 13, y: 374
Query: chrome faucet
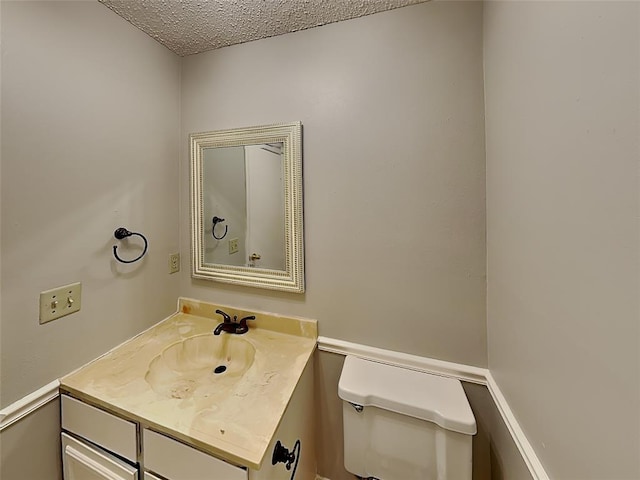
x: 232, y: 326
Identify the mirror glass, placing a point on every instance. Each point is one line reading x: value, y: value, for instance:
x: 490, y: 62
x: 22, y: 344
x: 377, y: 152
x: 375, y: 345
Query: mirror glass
x: 247, y: 206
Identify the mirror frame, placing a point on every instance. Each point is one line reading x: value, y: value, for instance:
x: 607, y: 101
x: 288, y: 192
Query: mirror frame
x: 292, y: 278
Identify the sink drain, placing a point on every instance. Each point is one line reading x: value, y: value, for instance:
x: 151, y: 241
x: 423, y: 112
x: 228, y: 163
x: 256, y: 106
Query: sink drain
x: 219, y: 369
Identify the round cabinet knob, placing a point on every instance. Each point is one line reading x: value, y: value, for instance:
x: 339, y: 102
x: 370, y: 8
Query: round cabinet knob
x: 254, y: 256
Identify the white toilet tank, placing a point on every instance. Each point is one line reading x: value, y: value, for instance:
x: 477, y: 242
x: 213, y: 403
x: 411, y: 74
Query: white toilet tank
x: 401, y: 424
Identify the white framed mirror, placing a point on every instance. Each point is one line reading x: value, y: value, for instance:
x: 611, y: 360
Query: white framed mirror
x: 246, y: 206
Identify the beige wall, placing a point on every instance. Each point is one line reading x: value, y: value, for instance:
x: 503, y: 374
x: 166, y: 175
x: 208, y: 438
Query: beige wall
x: 90, y: 118
x: 31, y: 447
x: 393, y: 112
x: 392, y: 108
x: 90, y: 115
x: 562, y: 121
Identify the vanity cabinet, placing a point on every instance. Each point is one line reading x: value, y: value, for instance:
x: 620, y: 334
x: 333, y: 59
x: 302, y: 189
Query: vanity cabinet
x: 179, y: 403
x: 107, y: 449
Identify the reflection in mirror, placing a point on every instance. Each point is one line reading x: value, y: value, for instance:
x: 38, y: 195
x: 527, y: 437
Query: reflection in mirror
x: 243, y: 195
x: 246, y: 206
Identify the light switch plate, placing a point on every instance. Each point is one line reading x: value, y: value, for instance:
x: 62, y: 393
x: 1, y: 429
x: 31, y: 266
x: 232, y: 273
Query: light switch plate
x: 61, y: 301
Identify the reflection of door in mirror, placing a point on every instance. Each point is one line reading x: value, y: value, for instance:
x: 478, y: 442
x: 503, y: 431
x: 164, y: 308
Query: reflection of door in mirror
x: 265, y: 206
x: 224, y: 196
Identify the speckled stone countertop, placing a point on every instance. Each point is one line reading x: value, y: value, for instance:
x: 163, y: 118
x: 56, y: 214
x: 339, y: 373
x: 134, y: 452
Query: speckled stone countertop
x: 234, y: 418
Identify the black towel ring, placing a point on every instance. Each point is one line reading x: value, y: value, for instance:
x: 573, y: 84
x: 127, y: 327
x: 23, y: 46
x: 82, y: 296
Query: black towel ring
x: 121, y: 233
x: 215, y: 221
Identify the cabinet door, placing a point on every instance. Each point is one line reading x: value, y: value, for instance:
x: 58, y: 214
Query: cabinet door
x: 83, y: 462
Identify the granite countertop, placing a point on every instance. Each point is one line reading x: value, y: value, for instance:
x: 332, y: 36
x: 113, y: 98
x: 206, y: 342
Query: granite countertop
x: 234, y: 418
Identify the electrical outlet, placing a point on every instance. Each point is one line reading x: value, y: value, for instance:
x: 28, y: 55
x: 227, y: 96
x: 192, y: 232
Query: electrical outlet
x: 233, y: 246
x: 61, y: 301
x: 174, y: 263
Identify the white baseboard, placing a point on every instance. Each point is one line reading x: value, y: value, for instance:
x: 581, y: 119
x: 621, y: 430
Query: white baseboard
x: 26, y: 405
x: 526, y: 450
x: 460, y: 371
x: 465, y: 373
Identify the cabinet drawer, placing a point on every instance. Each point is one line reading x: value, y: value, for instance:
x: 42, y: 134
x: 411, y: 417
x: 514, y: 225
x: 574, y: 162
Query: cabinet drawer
x: 177, y: 461
x: 99, y: 427
x: 82, y: 461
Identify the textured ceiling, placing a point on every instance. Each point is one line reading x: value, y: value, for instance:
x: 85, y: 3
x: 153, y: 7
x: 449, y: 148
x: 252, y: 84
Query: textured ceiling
x: 193, y: 26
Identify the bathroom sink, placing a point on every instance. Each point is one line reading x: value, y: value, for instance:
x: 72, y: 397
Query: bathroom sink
x: 200, y: 366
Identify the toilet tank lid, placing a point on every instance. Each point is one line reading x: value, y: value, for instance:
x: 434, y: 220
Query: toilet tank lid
x: 421, y: 395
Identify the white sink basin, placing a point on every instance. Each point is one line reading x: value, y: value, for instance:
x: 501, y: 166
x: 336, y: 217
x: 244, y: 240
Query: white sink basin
x: 200, y: 366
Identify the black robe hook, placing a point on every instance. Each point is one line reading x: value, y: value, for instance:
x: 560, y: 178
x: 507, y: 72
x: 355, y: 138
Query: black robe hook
x: 215, y: 221
x: 121, y: 233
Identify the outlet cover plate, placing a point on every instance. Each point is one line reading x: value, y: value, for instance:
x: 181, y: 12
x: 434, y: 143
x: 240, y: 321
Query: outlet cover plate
x: 61, y: 301
x: 233, y: 246
x: 174, y: 262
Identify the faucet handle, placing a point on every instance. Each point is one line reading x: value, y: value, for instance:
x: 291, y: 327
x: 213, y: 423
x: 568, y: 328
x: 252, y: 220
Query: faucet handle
x: 242, y: 325
x: 227, y: 318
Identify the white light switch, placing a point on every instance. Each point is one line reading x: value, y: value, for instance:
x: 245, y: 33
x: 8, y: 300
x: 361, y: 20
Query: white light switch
x: 58, y: 302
